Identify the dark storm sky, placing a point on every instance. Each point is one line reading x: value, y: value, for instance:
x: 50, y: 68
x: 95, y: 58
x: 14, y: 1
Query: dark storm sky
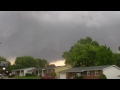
x: 47, y: 34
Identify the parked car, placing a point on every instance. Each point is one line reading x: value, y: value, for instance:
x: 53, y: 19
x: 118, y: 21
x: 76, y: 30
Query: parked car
x: 1, y: 76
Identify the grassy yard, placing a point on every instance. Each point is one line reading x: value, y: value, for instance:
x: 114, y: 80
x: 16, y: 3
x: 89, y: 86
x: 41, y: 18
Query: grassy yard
x: 29, y: 77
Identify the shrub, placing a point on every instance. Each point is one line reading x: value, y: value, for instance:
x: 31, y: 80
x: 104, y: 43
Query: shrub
x: 79, y: 77
x: 52, y: 74
x: 29, y: 74
x: 102, y: 76
x: 11, y: 75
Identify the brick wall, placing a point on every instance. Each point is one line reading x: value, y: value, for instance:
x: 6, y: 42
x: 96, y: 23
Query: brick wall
x: 68, y: 75
x: 84, y: 74
x: 92, y: 76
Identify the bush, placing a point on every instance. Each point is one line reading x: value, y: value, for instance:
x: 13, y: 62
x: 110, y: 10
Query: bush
x: 79, y: 77
x: 11, y: 75
x: 52, y: 74
x: 102, y: 76
x: 29, y: 74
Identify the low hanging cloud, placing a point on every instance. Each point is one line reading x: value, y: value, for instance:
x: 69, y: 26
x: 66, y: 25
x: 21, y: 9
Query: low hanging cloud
x: 47, y: 34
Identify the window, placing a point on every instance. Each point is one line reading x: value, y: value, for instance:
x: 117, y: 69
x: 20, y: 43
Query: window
x: 96, y: 73
x: 88, y: 73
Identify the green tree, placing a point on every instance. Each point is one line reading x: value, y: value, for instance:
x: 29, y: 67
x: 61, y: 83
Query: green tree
x: 2, y: 58
x: 52, y: 65
x: 52, y: 74
x: 95, y: 43
x: 119, y: 48
x: 28, y: 61
x: 25, y: 62
x: 87, y: 52
x: 42, y: 62
x: 116, y: 58
x: 103, y: 56
x: 85, y: 41
x: 11, y: 67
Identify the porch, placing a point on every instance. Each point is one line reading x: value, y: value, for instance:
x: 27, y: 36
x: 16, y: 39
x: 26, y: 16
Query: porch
x: 18, y: 72
x: 70, y: 75
x: 42, y: 72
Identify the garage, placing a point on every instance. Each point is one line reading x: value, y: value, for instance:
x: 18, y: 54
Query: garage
x: 62, y: 75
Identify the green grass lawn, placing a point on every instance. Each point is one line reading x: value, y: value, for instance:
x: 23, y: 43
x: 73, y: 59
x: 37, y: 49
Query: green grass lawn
x: 28, y: 77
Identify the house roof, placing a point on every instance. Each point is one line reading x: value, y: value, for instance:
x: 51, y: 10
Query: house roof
x: 23, y: 69
x: 62, y: 67
x: 81, y: 69
x: 37, y: 69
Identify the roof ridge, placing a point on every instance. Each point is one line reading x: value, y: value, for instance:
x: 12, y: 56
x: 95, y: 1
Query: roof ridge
x: 87, y: 68
x: 93, y: 66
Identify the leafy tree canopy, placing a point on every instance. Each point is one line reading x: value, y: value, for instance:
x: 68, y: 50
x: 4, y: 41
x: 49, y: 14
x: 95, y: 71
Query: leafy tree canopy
x: 87, y: 52
x: 28, y: 61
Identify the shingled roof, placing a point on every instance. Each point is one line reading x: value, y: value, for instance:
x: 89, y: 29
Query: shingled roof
x: 81, y: 69
x: 37, y: 69
x: 24, y: 69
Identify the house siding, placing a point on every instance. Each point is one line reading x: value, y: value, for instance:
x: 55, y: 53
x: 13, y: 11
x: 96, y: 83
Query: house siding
x: 59, y: 69
x: 84, y: 74
x: 49, y: 70
x: 92, y: 76
x: 69, y: 75
x: 26, y: 71
x: 21, y: 72
x: 111, y: 72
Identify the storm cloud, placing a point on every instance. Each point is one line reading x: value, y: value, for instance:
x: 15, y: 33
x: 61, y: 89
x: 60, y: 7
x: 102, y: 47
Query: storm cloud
x: 47, y: 34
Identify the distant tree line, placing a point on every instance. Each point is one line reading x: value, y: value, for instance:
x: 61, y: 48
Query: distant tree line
x: 26, y: 62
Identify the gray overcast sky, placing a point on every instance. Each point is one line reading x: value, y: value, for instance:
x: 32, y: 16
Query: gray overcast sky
x: 47, y: 34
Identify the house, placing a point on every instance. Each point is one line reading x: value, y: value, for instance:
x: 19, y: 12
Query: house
x: 59, y: 69
x: 22, y: 72
x: 42, y: 71
x: 93, y: 72
x: 118, y: 76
